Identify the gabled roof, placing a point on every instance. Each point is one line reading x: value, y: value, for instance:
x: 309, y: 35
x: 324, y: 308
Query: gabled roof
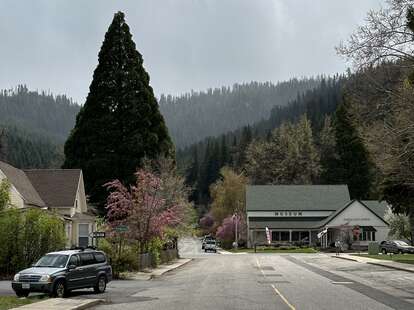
x: 57, y: 187
x: 23, y: 185
x: 379, y: 208
x: 296, y: 197
x: 339, y: 211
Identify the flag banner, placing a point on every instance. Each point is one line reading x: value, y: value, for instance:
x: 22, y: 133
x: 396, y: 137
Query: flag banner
x: 268, y: 235
x: 323, y: 232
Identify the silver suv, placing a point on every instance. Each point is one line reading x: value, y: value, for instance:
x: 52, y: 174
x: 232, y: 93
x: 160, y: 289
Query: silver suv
x: 58, y: 273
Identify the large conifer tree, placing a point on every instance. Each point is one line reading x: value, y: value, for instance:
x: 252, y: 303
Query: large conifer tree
x: 353, y: 166
x: 120, y: 123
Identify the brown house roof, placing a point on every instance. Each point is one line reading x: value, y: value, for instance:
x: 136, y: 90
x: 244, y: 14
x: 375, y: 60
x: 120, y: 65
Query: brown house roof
x: 57, y: 187
x: 23, y: 185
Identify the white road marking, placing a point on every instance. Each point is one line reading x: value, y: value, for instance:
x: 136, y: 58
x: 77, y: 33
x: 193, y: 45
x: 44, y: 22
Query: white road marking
x: 275, y: 289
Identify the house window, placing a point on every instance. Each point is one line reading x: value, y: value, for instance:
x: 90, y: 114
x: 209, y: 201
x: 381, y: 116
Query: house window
x: 365, y: 236
x: 83, y: 235
x: 368, y: 236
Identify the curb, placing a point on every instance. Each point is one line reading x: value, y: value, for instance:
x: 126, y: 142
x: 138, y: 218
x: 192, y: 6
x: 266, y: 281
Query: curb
x: 391, y: 267
x: 88, y: 305
x: 376, y: 264
x: 346, y: 258
x: 153, y: 276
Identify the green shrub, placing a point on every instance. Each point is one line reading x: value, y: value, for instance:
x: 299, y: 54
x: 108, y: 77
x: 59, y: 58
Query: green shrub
x: 124, y: 260
x: 155, y: 247
x: 26, y: 235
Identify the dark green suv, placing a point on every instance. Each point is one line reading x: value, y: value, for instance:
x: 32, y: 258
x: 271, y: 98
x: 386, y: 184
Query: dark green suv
x: 58, y: 273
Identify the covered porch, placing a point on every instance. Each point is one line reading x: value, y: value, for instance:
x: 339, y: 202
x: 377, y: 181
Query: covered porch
x: 328, y: 235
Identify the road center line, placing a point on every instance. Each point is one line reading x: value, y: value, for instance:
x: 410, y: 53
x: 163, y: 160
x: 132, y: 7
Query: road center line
x: 260, y: 267
x: 283, y: 298
x: 275, y: 289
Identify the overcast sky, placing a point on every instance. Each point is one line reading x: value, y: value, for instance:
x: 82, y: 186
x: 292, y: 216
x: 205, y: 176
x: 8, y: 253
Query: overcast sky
x: 186, y: 44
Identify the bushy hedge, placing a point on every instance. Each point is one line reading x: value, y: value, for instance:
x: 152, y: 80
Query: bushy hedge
x: 26, y: 235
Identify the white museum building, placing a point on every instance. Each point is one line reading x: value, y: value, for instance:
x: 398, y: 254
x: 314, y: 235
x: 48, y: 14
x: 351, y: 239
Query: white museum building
x: 312, y: 214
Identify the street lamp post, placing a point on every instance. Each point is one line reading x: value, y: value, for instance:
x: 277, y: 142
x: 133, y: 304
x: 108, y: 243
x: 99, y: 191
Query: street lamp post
x: 236, y: 241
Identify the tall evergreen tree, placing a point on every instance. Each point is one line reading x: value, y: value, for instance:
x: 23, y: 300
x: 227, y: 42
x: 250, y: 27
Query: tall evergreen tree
x: 3, y: 147
x: 329, y: 154
x: 120, y: 123
x: 354, y: 167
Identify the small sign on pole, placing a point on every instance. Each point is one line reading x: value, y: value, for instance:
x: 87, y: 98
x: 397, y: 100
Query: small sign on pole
x: 121, y: 228
x: 98, y: 234
x: 356, y: 231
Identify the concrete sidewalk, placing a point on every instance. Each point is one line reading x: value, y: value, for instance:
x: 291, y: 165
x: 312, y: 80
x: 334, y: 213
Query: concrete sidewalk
x: 377, y: 262
x: 61, y: 304
x: 157, y: 272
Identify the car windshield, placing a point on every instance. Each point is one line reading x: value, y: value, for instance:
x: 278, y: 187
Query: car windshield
x: 402, y: 243
x: 52, y: 260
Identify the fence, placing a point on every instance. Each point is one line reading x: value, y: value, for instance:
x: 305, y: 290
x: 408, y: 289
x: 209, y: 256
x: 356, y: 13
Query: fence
x: 148, y: 260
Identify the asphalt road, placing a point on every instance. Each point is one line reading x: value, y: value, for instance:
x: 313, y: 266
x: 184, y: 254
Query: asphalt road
x: 260, y: 281
x: 265, y: 281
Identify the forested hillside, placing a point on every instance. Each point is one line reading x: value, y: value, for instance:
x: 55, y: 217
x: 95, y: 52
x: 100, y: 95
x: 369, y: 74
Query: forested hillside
x: 195, y: 116
x: 34, y: 126
x: 202, y: 161
x: 40, y: 113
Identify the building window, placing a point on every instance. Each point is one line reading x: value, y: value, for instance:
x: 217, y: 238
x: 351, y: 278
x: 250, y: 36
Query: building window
x: 275, y: 235
x: 83, y: 235
x: 295, y: 235
x: 284, y: 236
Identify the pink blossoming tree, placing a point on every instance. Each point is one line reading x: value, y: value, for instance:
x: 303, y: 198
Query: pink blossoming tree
x: 142, y: 208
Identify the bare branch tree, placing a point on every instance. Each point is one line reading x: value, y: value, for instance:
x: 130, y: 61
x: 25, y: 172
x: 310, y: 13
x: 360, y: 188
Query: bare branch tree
x: 385, y: 37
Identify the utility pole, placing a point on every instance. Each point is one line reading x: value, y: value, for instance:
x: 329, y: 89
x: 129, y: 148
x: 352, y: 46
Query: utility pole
x: 236, y: 237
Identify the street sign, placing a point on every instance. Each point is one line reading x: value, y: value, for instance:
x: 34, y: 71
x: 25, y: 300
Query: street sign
x: 98, y: 234
x: 121, y: 228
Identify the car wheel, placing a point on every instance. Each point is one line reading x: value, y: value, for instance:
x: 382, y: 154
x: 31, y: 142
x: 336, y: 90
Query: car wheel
x: 100, y: 286
x: 384, y: 251
x: 22, y: 293
x: 60, y: 289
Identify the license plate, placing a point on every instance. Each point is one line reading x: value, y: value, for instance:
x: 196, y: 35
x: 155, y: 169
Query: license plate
x: 25, y: 285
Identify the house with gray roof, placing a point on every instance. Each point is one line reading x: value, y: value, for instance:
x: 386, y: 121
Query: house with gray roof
x: 61, y: 191
x: 313, y: 214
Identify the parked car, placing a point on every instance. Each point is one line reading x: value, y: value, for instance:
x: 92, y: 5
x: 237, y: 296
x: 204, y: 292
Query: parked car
x: 396, y: 246
x: 210, y: 245
x: 205, y: 239
x: 58, y: 273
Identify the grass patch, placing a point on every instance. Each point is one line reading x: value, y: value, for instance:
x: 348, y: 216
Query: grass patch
x: 399, y: 258
x: 8, y: 302
x: 275, y: 250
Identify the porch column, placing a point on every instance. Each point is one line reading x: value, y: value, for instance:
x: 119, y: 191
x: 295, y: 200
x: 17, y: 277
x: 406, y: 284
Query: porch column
x: 310, y: 237
x: 290, y: 236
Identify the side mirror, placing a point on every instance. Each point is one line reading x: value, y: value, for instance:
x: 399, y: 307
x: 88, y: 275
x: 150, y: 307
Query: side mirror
x: 70, y: 267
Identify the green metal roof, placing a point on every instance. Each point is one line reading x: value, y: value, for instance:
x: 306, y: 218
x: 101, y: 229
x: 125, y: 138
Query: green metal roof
x: 379, y: 208
x: 296, y: 197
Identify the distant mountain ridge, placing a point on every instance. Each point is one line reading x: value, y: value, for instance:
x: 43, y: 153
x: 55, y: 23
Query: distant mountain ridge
x: 194, y: 116
x: 35, y: 125
x: 38, y: 113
